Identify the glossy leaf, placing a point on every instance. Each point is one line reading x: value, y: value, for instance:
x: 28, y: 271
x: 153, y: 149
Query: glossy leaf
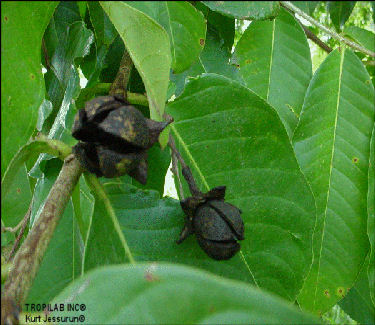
x: 273, y: 68
x: 37, y: 146
x: 371, y: 217
x: 16, y: 200
x: 332, y: 144
x: 339, y: 12
x: 144, y: 292
x: 242, y: 144
x: 185, y: 26
x: 362, y: 36
x: 148, y: 45
x: 306, y: 6
x: 22, y: 84
x: 63, y: 84
x: 223, y: 25
x: 357, y: 303
x: 213, y: 59
x: 105, y: 32
x: 254, y: 10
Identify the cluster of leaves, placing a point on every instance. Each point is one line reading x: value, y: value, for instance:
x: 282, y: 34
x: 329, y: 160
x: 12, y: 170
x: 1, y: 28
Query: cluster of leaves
x: 292, y: 147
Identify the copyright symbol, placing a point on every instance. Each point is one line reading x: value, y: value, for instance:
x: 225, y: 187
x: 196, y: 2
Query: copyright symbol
x: 81, y: 318
x: 82, y: 307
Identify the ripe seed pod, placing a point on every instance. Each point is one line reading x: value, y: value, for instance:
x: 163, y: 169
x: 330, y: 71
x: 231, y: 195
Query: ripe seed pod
x: 115, y: 137
x: 216, y: 224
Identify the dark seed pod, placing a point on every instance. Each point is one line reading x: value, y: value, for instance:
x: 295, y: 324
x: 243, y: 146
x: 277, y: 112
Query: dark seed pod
x: 217, y: 225
x: 115, y: 138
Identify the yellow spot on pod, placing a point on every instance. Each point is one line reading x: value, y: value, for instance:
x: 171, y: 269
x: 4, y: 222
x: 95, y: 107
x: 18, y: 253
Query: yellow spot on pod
x: 355, y: 160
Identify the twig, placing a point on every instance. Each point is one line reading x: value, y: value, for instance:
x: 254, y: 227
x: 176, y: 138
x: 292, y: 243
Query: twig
x: 176, y: 173
x: 45, y: 54
x: 333, y: 34
x: 316, y: 39
x: 28, y: 258
x: 371, y: 63
x: 186, y: 172
x: 18, y: 239
x: 120, y: 83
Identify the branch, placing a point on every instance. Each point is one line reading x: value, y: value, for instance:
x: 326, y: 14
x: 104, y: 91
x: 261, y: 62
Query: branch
x: 186, y: 172
x: 24, y: 224
x: 316, y: 39
x: 120, y: 83
x: 28, y: 258
x: 333, y: 34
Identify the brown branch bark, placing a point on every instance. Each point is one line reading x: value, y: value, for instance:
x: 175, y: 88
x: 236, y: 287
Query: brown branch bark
x: 28, y: 258
x: 316, y: 39
x: 120, y: 83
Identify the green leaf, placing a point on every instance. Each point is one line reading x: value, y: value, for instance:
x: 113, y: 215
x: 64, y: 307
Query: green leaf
x: 224, y: 26
x: 61, y: 263
x: 339, y: 11
x: 357, y: 303
x: 22, y: 84
x: 184, y: 24
x: 15, y: 202
x: 332, y: 147
x: 253, y: 10
x: 362, y: 36
x: 63, y: 84
x: 241, y: 143
x: 45, y: 109
x: 148, y: 45
x: 37, y: 146
x: 144, y: 292
x: 272, y: 67
x: 371, y: 217
x: 105, y: 32
x: 151, y: 227
x: 306, y: 6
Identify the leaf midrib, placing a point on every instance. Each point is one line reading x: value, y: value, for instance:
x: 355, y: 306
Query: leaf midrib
x: 330, y: 173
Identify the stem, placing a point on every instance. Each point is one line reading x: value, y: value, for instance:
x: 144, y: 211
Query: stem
x: 24, y: 224
x: 28, y: 258
x: 176, y: 174
x: 316, y: 39
x: 333, y: 34
x: 98, y: 189
x: 186, y: 171
x: 120, y: 83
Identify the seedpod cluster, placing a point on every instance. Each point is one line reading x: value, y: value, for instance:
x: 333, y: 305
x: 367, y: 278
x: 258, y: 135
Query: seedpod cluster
x: 114, y: 138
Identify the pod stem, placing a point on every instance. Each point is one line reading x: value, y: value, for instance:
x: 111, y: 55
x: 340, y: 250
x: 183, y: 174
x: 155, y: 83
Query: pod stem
x: 186, y: 171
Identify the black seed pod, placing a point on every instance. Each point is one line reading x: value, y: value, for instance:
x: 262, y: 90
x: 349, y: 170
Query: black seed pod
x: 115, y: 138
x: 216, y: 224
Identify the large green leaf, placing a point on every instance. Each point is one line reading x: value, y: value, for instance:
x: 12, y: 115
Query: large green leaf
x: 63, y: 83
x: 230, y: 136
x: 371, y: 217
x: 22, y: 85
x: 275, y: 62
x: 185, y: 26
x: 223, y: 25
x: 151, y: 227
x: 148, y: 45
x: 254, y: 10
x: 362, y: 36
x: 306, y: 6
x: 171, y: 294
x: 357, y: 303
x: 332, y: 144
x: 213, y: 59
x: 339, y: 12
